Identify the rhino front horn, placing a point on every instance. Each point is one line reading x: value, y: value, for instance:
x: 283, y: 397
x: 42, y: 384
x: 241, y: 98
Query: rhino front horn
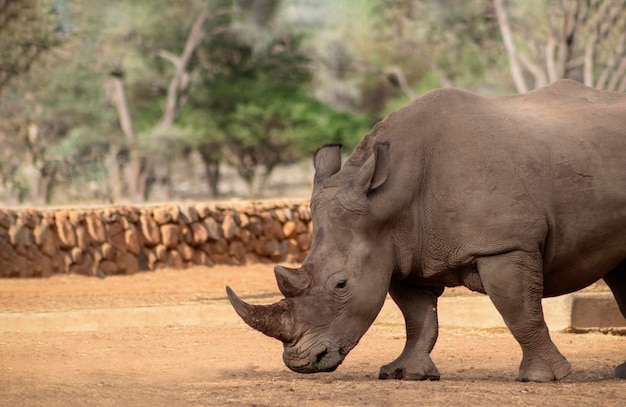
x: 272, y: 320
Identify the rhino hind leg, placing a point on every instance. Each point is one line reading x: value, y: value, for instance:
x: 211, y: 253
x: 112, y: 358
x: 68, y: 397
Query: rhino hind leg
x: 616, y: 280
x: 419, y: 308
x: 514, y: 283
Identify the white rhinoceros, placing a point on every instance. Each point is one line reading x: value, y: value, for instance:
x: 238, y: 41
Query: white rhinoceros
x: 518, y: 197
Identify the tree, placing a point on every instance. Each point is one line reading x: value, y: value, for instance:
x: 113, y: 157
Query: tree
x: 579, y: 39
x: 252, y: 108
x: 260, y: 115
x: 147, y: 42
x: 28, y: 28
x: 52, y: 114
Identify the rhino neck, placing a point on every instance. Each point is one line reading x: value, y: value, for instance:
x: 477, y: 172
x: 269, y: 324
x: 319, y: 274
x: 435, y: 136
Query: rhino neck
x: 406, y: 239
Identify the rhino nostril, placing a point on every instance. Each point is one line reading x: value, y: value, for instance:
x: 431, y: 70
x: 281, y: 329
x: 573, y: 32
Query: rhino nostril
x: 319, y: 358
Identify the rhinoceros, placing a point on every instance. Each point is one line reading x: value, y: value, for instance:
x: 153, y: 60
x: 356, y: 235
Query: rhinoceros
x: 517, y: 197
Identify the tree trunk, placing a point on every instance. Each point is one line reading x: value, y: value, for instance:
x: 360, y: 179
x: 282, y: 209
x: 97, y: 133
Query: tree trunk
x: 133, y: 169
x: 114, y: 179
x: 505, y: 29
x: 211, y: 167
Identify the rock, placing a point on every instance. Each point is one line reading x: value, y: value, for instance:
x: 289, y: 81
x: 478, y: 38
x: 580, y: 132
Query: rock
x: 95, y: 227
x: 115, y: 235
x: 67, y: 262
x: 150, y: 230
x: 83, y: 240
x: 238, y: 252
x: 108, y: 252
x: 29, y: 218
x: 76, y: 217
x: 214, y: 229
x: 289, y: 229
x: 188, y: 214
x: 231, y: 229
x: 85, y: 268
x: 65, y: 231
x: 174, y: 260
x: 186, y: 235
x: 219, y: 247
x: 7, y: 218
x: 127, y: 263
x: 245, y: 236
x: 218, y: 216
x: 170, y: 235
x: 46, y: 239
x: 107, y: 267
x: 132, y: 214
x: 272, y: 250
x: 244, y: 221
x: 199, y: 233
x: 20, y: 237
x: 301, y: 227
x: 304, y: 242
x: 162, y: 215
x: 274, y: 230
x: 77, y: 255
x: 280, y: 216
x: 203, y: 209
x: 109, y: 215
x: 186, y: 251
x: 131, y: 238
x: 161, y: 253
x: 151, y: 258
x: 255, y: 227
x: 304, y: 213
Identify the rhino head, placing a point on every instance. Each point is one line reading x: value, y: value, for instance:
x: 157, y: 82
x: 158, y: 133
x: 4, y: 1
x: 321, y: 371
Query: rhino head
x: 334, y: 297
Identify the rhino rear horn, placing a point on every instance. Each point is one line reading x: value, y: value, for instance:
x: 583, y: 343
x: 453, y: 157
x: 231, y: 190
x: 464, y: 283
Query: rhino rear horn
x: 273, y: 320
x: 292, y: 282
x: 327, y: 162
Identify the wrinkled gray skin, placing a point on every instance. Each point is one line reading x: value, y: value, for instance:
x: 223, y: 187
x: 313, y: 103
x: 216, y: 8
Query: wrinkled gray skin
x: 518, y: 197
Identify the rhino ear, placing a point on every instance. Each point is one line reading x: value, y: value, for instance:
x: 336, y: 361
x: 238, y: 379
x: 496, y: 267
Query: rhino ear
x: 327, y: 162
x: 375, y: 171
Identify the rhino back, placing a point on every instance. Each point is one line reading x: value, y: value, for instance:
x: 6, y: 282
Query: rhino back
x: 479, y: 176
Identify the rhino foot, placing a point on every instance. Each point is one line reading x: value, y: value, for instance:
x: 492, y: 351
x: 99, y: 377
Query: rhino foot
x: 620, y: 371
x: 542, y: 371
x: 395, y: 370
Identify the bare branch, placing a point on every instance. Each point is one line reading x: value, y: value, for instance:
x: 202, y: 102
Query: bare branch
x: 535, y: 69
x: 178, y: 85
x: 550, y: 62
x: 175, y: 60
x: 588, y: 59
x: 620, y: 73
x: 511, y: 50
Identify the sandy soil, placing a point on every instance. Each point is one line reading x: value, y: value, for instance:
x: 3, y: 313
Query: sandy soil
x: 224, y: 363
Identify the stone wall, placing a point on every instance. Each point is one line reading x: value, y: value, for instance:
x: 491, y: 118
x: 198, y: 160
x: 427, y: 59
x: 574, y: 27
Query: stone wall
x: 127, y: 239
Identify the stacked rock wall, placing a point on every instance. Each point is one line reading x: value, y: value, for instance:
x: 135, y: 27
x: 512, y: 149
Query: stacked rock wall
x: 124, y: 240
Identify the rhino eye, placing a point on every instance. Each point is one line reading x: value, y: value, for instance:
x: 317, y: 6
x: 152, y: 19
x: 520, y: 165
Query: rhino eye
x: 341, y: 284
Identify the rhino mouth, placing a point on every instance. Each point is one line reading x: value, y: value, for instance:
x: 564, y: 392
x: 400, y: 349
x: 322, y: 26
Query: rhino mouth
x: 321, y: 360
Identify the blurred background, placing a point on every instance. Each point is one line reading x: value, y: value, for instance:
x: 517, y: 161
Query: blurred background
x: 130, y: 101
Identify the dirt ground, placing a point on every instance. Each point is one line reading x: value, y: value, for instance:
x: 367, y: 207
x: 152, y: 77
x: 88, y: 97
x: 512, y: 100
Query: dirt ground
x: 222, y: 362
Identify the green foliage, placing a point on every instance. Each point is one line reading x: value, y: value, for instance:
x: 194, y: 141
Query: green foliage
x: 258, y: 111
x: 28, y: 28
x: 271, y: 81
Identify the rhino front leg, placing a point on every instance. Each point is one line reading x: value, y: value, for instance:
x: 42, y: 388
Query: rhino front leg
x: 419, y: 308
x: 514, y: 283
